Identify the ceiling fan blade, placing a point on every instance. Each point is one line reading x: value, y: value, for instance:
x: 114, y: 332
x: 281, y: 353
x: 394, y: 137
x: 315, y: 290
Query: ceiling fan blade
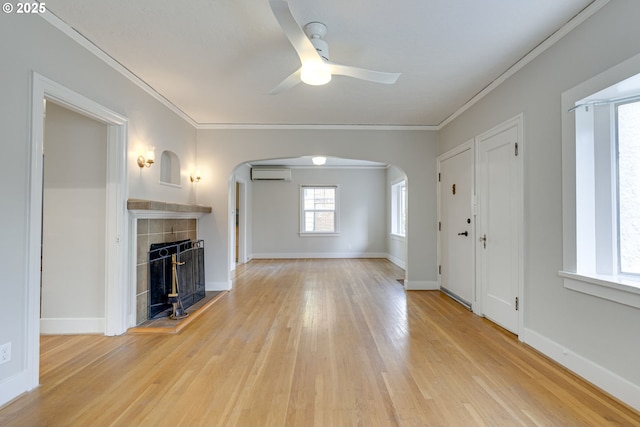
x: 293, y: 31
x: 287, y: 83
x: 363, y: 74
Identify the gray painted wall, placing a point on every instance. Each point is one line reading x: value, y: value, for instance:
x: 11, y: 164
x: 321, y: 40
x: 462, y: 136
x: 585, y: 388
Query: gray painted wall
x: 75, y: 180
x: 362, y: 202
x: 414, y: 151
x: 34, y: 45
x: 396, y: 246
x: 598, y: 331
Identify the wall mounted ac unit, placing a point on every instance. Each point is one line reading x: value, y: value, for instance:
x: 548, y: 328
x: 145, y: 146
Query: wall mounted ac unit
x: 270, y: 174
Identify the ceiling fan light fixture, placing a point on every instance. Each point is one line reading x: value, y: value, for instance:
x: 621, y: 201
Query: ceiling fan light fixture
x: 315, y: 73
x: 319, y: 160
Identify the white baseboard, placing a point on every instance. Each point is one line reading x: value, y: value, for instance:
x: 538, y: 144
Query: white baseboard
x: 608, y: 381
x: 217, y: 286
x: 88, y: 325
x: 421, y: 285
x: 14, y: 386
x: 321, y: 255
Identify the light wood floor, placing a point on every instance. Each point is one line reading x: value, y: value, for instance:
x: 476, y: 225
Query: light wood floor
x: 313, y: 342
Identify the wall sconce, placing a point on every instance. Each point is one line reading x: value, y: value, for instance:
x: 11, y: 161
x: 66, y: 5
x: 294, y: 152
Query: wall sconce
x: 147, y: 159
x: 195, y: 176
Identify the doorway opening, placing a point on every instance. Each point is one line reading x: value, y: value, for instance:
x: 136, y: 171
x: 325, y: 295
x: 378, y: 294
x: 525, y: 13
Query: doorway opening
x: 266, y: 216
x: 240, y: 222
x: 116, y: 303
x: 73, y: 223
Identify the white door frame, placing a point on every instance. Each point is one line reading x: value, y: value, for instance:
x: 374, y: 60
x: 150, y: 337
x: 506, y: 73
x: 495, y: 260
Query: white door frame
x: 469, y: 145
x: 116, y: 298
x: 519, y: 122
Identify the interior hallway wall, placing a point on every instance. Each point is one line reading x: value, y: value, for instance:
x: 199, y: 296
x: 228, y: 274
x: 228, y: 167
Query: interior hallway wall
x: 276, y: 215
x: 74, y: 223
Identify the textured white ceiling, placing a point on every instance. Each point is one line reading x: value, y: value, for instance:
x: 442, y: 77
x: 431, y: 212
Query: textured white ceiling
x: 216, y: 60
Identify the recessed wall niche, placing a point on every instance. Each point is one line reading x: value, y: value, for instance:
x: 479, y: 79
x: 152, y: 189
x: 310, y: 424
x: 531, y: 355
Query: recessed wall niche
x: 169, y: 168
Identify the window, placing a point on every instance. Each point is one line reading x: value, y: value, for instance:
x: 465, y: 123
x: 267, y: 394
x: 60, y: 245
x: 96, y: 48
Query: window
x: 399, y: 208
x: 608, y: 186
x: 319, y: 210
x: 601, y: 186
x: 628, y: 168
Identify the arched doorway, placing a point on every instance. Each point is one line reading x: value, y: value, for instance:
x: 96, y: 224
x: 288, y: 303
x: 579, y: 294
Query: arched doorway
x: 271, y: 219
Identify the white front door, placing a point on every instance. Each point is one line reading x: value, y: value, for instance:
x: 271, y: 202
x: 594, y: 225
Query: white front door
x: 499, y: 243
x: 456, y: 224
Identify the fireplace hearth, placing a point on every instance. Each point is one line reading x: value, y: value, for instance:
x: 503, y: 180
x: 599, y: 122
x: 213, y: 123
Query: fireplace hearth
x: 191, y: 284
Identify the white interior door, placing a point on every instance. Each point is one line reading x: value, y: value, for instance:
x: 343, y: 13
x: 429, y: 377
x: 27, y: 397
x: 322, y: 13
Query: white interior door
x: 499, y: 224
x: 456, y: 225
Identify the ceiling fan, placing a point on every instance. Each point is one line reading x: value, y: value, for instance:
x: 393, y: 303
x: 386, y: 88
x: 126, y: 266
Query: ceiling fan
x: 313, y: 51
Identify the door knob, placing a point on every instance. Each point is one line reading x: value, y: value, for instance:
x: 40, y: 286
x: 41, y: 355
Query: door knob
x: 464, y: 233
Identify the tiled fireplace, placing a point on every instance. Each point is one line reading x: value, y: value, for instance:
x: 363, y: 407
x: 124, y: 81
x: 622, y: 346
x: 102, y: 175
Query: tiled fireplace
x: 157, y: 222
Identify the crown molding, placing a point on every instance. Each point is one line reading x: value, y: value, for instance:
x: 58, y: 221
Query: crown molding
x: 578, y: 19
x: 75, y: 35
x: 233, y: 126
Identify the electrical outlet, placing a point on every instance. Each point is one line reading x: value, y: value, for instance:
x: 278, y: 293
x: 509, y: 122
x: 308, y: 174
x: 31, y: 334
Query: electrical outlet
x: 5, y: 353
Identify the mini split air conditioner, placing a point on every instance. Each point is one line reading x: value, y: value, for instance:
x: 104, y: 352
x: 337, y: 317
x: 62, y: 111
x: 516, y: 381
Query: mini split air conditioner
x: 270, y: 174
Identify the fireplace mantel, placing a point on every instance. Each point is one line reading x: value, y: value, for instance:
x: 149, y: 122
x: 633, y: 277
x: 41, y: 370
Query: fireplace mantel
x: 141, y: 206
x: 152, y: 205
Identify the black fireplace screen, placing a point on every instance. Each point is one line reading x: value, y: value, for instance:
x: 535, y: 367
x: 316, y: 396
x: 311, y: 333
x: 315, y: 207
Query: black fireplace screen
x: 190, y: 275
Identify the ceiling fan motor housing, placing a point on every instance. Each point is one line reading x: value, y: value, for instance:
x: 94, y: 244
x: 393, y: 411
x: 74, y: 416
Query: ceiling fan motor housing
x: 321, y: 47
x: 316, y: 32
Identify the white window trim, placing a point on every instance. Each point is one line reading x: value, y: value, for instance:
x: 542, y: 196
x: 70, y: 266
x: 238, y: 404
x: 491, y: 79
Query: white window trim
x: 619, y: 289
x: 336, y: 232
x: 394, y: 207
x: 612, y: 288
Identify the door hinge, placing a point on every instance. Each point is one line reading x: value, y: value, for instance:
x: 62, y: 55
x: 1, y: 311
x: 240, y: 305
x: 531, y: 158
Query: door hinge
x: 439, y: 269
x: 438, y: 176
x: 517, y: 304
x: 516, y: 148
x: 439, y: 225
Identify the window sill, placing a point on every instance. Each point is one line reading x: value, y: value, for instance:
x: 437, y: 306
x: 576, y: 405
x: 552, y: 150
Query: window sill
x: 398, y: 237
x: 612, y: 288
x: 307, y: 234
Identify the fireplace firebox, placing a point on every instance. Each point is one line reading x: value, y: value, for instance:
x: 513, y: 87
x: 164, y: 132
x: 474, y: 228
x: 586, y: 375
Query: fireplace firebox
x: 190, y: 275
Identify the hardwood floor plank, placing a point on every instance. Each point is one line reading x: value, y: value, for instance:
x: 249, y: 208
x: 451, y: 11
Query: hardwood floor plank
x: 313, y: 342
